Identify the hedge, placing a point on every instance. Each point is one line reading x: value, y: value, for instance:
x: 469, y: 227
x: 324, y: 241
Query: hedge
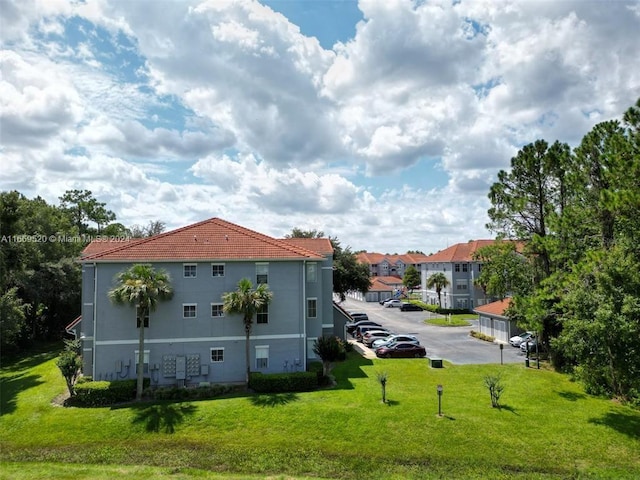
x: 283, y: 382
x: 103, y: 393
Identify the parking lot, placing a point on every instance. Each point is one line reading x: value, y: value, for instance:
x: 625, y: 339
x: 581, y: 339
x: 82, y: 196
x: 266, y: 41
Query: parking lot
x: 453, y: 344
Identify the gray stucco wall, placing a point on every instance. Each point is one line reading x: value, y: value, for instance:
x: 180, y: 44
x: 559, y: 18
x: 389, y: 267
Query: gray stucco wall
x: 170, y: 335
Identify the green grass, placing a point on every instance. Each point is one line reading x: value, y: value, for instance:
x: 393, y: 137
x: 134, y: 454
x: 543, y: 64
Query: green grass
x: 458, y: 320
x: 548, y: 428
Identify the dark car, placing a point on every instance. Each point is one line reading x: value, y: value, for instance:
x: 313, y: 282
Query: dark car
x: 355, y: 316
x: 351, y: 327
x: 401, y: 350
x: 410, y: 307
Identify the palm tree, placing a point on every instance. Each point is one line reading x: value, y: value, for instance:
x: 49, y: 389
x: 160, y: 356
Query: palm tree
x: 142, y: 287
x: 247, y: 301
x: 439, y: 281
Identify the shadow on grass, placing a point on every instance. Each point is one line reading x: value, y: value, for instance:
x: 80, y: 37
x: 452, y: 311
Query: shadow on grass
x: 164, y: 417
x: 572, y: 396
x: 508, y: 408
x: 11, y: 386
x: 273, y: 399
x: 351, y: 368
x: 626, y: 423
x: 392, y: 403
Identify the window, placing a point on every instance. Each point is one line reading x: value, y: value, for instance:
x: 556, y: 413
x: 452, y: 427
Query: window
x: 190, y: 270
x: 312, y: 272
x: 262, y: 316
x: 262, y: 357
x: 457, y: 267
x: 146, y: 318
x: 217, y: 355
x: 461, y: 284
x: 189, y: 310
x: 465, y: 267
x: 262, y: 273
x: 145, y: 367
x: 217, y: 269
x: 312, y: 308
x: 217, y: 310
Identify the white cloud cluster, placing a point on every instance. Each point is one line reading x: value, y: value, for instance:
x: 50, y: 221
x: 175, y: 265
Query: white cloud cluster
x: 226, y: 108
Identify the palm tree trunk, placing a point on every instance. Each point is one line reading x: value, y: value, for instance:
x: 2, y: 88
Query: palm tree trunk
x: 140, y: 369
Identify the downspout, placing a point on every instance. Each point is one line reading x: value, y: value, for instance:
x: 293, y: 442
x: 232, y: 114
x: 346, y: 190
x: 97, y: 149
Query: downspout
x: 304, y: 313
x: 95, y: 318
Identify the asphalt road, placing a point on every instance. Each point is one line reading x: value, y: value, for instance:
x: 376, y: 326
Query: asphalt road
x: 453, y: 344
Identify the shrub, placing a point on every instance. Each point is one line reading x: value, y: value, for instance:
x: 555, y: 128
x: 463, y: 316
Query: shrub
x: 283, y: 382
x: 482, y: 336
x: 493, y: 383
x: 103, y: 393
x: 182, y: 393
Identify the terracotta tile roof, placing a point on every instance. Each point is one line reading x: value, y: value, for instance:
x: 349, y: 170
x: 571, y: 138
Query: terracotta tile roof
x: 320, y: 245
x: 463, y: 252
x: 212, y: 239
x: 495, y: 309
x: 373, y: 258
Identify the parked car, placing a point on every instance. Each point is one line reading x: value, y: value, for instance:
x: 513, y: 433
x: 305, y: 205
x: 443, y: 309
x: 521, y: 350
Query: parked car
x: 382, y: 302
x: 401, y: 350
x: 362, y: 329
x: 410, y: 307
x: 392, y: 303
x: 395, y: 339
x: 372, y: 335
x: 351, y: 327
x: 355, y: 316
x: 532, y: 343
x: 518, y: 339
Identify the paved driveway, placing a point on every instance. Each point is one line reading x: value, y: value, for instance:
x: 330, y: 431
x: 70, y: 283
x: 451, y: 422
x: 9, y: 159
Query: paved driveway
x: 453, y: 344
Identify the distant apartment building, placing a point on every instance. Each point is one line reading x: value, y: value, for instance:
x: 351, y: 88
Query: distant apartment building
x: 461, y: 270
x: 384, y: 265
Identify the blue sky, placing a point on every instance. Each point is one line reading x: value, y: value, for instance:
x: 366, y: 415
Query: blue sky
x: 381, y: 122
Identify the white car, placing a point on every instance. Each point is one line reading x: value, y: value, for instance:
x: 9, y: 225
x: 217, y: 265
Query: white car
x: 518, y: 339
x: 383, y: 342
x: 393, y: 303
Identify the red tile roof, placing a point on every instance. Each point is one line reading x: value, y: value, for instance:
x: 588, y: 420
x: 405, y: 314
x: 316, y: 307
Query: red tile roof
x: 373, y: 258
x: 320, y: 245
x: 384, y: 284
x: 495, y: 309
x: 462, y: 252
x: 213, y: 239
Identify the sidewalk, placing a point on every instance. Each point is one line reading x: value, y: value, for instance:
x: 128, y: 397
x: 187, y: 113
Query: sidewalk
x: 362, y: 350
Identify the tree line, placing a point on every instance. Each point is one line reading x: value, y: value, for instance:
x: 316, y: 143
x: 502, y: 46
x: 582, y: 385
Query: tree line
x: 576, y: 278
x: 39, y: 276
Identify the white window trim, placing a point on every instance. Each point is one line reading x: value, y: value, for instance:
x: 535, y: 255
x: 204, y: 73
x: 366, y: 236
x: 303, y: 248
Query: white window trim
x: 184, y: 271
x: 221, y: 310
x: 315, y: 272
x: 189, y: 305
x: 261, y: 348
x: 316, y: 300
x: 218, y: 264
x: 262, y: 264
x: 211, y: 360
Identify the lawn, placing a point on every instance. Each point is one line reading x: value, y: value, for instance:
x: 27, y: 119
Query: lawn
x: 457, y: 320
x: 548, y: 428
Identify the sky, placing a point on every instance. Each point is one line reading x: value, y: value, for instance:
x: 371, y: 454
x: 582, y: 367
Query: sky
x: 380, y: 122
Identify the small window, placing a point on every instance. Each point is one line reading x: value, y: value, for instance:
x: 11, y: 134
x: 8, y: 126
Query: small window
x: 189, y: 310
x: 190, y: 270
x: 461, y: 284
x: 217, y: 355
x: 217, y: 310
x: 262, y: 273
x: 262, y: 316
x: 145, y: 367
x: 217, y: 269
x: 312, y: 308
x: 146, y: 318
x: 457, y: 267
x: 262, y: 357
x: 465, y: 267
x: 312, y: 272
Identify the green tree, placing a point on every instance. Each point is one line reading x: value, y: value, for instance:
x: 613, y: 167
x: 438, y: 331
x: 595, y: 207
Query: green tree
x: 142, y: 287
x: 247, y: 301
x: 12, y: 319
x: 348, y: 273
x: 438, y: 281
x: 411, y: 278
x: 504, y: 271
x: 82, y: 207
x: 299, y: 233
x: 70, y: 364
x: 330, y: 350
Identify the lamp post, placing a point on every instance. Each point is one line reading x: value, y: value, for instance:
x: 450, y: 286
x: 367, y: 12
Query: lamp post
x: 501, y: 348
x: 439, y: 389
